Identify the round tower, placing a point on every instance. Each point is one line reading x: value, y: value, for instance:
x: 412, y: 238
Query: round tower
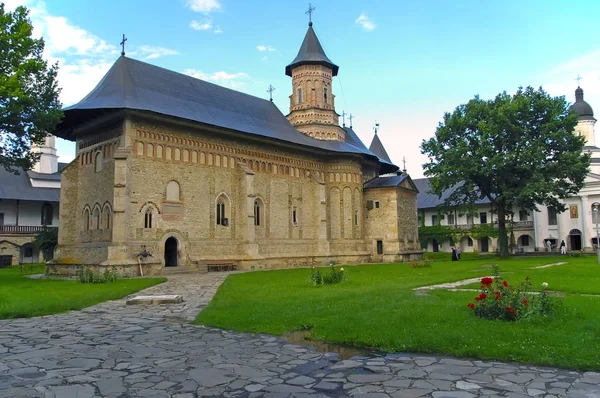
x: 586, y: 121
x: 312, y: 103
x: 48, y: 163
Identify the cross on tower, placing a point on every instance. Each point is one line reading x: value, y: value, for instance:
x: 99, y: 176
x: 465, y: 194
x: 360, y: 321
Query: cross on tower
x: 578, y: 79
x: 344, y: 119
x: 123, y: 45
x: 376, y: 128
x: 350, y: 117
x: 270, y: 91
x: 403, y: 163
x: 309, y: 12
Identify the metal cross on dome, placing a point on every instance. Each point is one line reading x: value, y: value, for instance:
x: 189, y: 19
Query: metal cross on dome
x: 270, y: 91
x: 309, y: 12
x: 344, y: 119
x: 123, y: 45
x: 350, y: 117
x: 578, y: 79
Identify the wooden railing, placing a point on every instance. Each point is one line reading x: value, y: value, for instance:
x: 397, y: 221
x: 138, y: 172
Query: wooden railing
x: 22, y: 229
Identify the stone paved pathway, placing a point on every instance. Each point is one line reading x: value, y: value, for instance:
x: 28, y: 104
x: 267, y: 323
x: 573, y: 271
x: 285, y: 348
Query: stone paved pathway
x: 114, y: 350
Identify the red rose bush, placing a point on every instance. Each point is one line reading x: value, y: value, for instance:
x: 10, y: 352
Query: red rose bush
x: 500, y: 300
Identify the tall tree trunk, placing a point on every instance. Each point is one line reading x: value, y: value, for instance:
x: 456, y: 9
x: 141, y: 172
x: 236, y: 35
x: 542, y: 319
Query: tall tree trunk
x: 502, y: 238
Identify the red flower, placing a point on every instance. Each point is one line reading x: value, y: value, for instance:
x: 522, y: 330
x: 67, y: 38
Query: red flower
x: 471, y: 306
x: 482, y: 296
x: 505, y: 283
x: 486, y: 281
x: 510, y: 309
x: 477, y: 298
x: 524, y: 300
x: 546, y: 292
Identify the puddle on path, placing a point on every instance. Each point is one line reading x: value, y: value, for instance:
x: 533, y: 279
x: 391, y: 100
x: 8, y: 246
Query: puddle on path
x: 343, y: 351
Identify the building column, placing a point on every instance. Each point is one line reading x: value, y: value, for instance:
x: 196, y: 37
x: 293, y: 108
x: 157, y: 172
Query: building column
x: 585, y: 209
x: 321, y: 214
x: 537, y: 233
x: 248, y: 196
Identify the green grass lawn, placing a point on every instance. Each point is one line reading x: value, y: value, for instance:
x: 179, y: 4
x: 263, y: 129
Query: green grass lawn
x: 25, y: 297
x: 377, y: 308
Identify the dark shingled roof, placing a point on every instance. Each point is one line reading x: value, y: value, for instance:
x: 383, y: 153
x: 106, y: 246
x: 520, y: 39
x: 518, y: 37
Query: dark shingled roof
x: 582, y: 108
x: 378, y: 149
x: 389, y: 181
x: 428, y: 200
x: 19, y: 187
x: 136, y: 85
x: 351, y: 138
x: 311, y: 52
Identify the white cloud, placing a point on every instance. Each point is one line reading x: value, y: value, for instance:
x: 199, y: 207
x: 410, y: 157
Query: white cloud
x: 221, y: 78
x: 265, y: 48
x: 152, y: 52
x: 366, y: 22
x: 204, y: 6
x: 204, y: 25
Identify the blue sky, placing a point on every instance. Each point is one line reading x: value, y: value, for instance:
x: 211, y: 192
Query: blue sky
x: 402, y: 63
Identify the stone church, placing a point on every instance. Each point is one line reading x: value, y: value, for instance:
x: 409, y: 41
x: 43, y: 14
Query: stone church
x: 172, y: 171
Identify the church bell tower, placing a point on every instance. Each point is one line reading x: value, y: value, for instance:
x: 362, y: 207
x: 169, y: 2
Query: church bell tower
x: 312, y: 103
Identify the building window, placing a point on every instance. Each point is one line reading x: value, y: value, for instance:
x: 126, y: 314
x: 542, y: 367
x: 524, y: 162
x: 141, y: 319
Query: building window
x: 47, y: 211
x: 1, y: 219
x: 356, y: 218
x: 525, y: 240
x: 469, y: 219
x: 96, y: 218
x: 221, y: 219
x: 325, y: 95
x: 523, y: 214
x: 434, y: 219
x: 106, y: 217
x: 379, y: 247
x: 86, y: 220
x: 377, y: 204
x: 173, y: 192
x: 258, y: 212
x: 28, y: 252
x: 294, y: 216
x: 450, y: 219
x: 299, y: 95
x: 469, y: 242
x: 483, y: 218
x: 148, y: 219
x: 552, y: 217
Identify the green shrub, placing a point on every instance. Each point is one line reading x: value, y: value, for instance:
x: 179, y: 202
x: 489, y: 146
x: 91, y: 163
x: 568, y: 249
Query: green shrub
x: 88, y: 275
x: 330, y: 278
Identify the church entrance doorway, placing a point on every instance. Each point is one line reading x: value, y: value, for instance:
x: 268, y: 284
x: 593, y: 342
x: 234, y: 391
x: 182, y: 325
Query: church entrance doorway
x: 171, y: 256
x: 575, y: 239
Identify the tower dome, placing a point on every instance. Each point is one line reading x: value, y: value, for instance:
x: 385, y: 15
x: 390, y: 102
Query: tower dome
x: 582, y: 108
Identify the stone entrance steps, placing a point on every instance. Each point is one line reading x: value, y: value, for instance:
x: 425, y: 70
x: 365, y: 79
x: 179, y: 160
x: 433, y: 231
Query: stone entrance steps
x: 185, y: 270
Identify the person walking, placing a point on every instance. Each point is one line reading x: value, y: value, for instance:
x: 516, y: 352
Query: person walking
x: 454, y: 258
x: 563, y: 247
x: 458, y: 251
x: 548, y: 246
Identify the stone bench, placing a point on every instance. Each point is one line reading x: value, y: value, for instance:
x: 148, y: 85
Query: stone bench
x: 221, y: 267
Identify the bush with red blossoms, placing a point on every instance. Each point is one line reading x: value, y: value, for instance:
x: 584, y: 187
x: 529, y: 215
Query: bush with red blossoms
x: 500, y: 300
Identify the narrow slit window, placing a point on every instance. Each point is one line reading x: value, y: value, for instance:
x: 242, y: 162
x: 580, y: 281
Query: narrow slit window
x: 294, y: 216
x: 148, y: 219
x: 325, y: 95
x: 257, y: 213
x: 299, y: 96
x: 221, y: 212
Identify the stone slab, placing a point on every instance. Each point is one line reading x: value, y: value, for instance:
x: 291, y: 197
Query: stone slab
x: 162, y: 299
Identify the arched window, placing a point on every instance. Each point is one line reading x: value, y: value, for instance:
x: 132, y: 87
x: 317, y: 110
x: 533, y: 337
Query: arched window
x: 96, y: 218
x: 148, y: 218
x: 86, y: 220
x: 325, y: 94
x: 221, y: 211
x: 106, y: 217
x: 173, y: 191
x: 98, y: 162
x: 47, y: 214
x: 258, y: 213
x: 299, y: 95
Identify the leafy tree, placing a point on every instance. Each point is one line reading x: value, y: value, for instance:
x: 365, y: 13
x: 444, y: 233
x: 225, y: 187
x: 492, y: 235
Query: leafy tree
x: 29, y: 105
x: 518, y: 151
x: 46, y: 240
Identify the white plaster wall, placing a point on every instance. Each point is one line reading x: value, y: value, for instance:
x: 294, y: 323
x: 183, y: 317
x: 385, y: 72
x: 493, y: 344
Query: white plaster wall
x: 30, y: 212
